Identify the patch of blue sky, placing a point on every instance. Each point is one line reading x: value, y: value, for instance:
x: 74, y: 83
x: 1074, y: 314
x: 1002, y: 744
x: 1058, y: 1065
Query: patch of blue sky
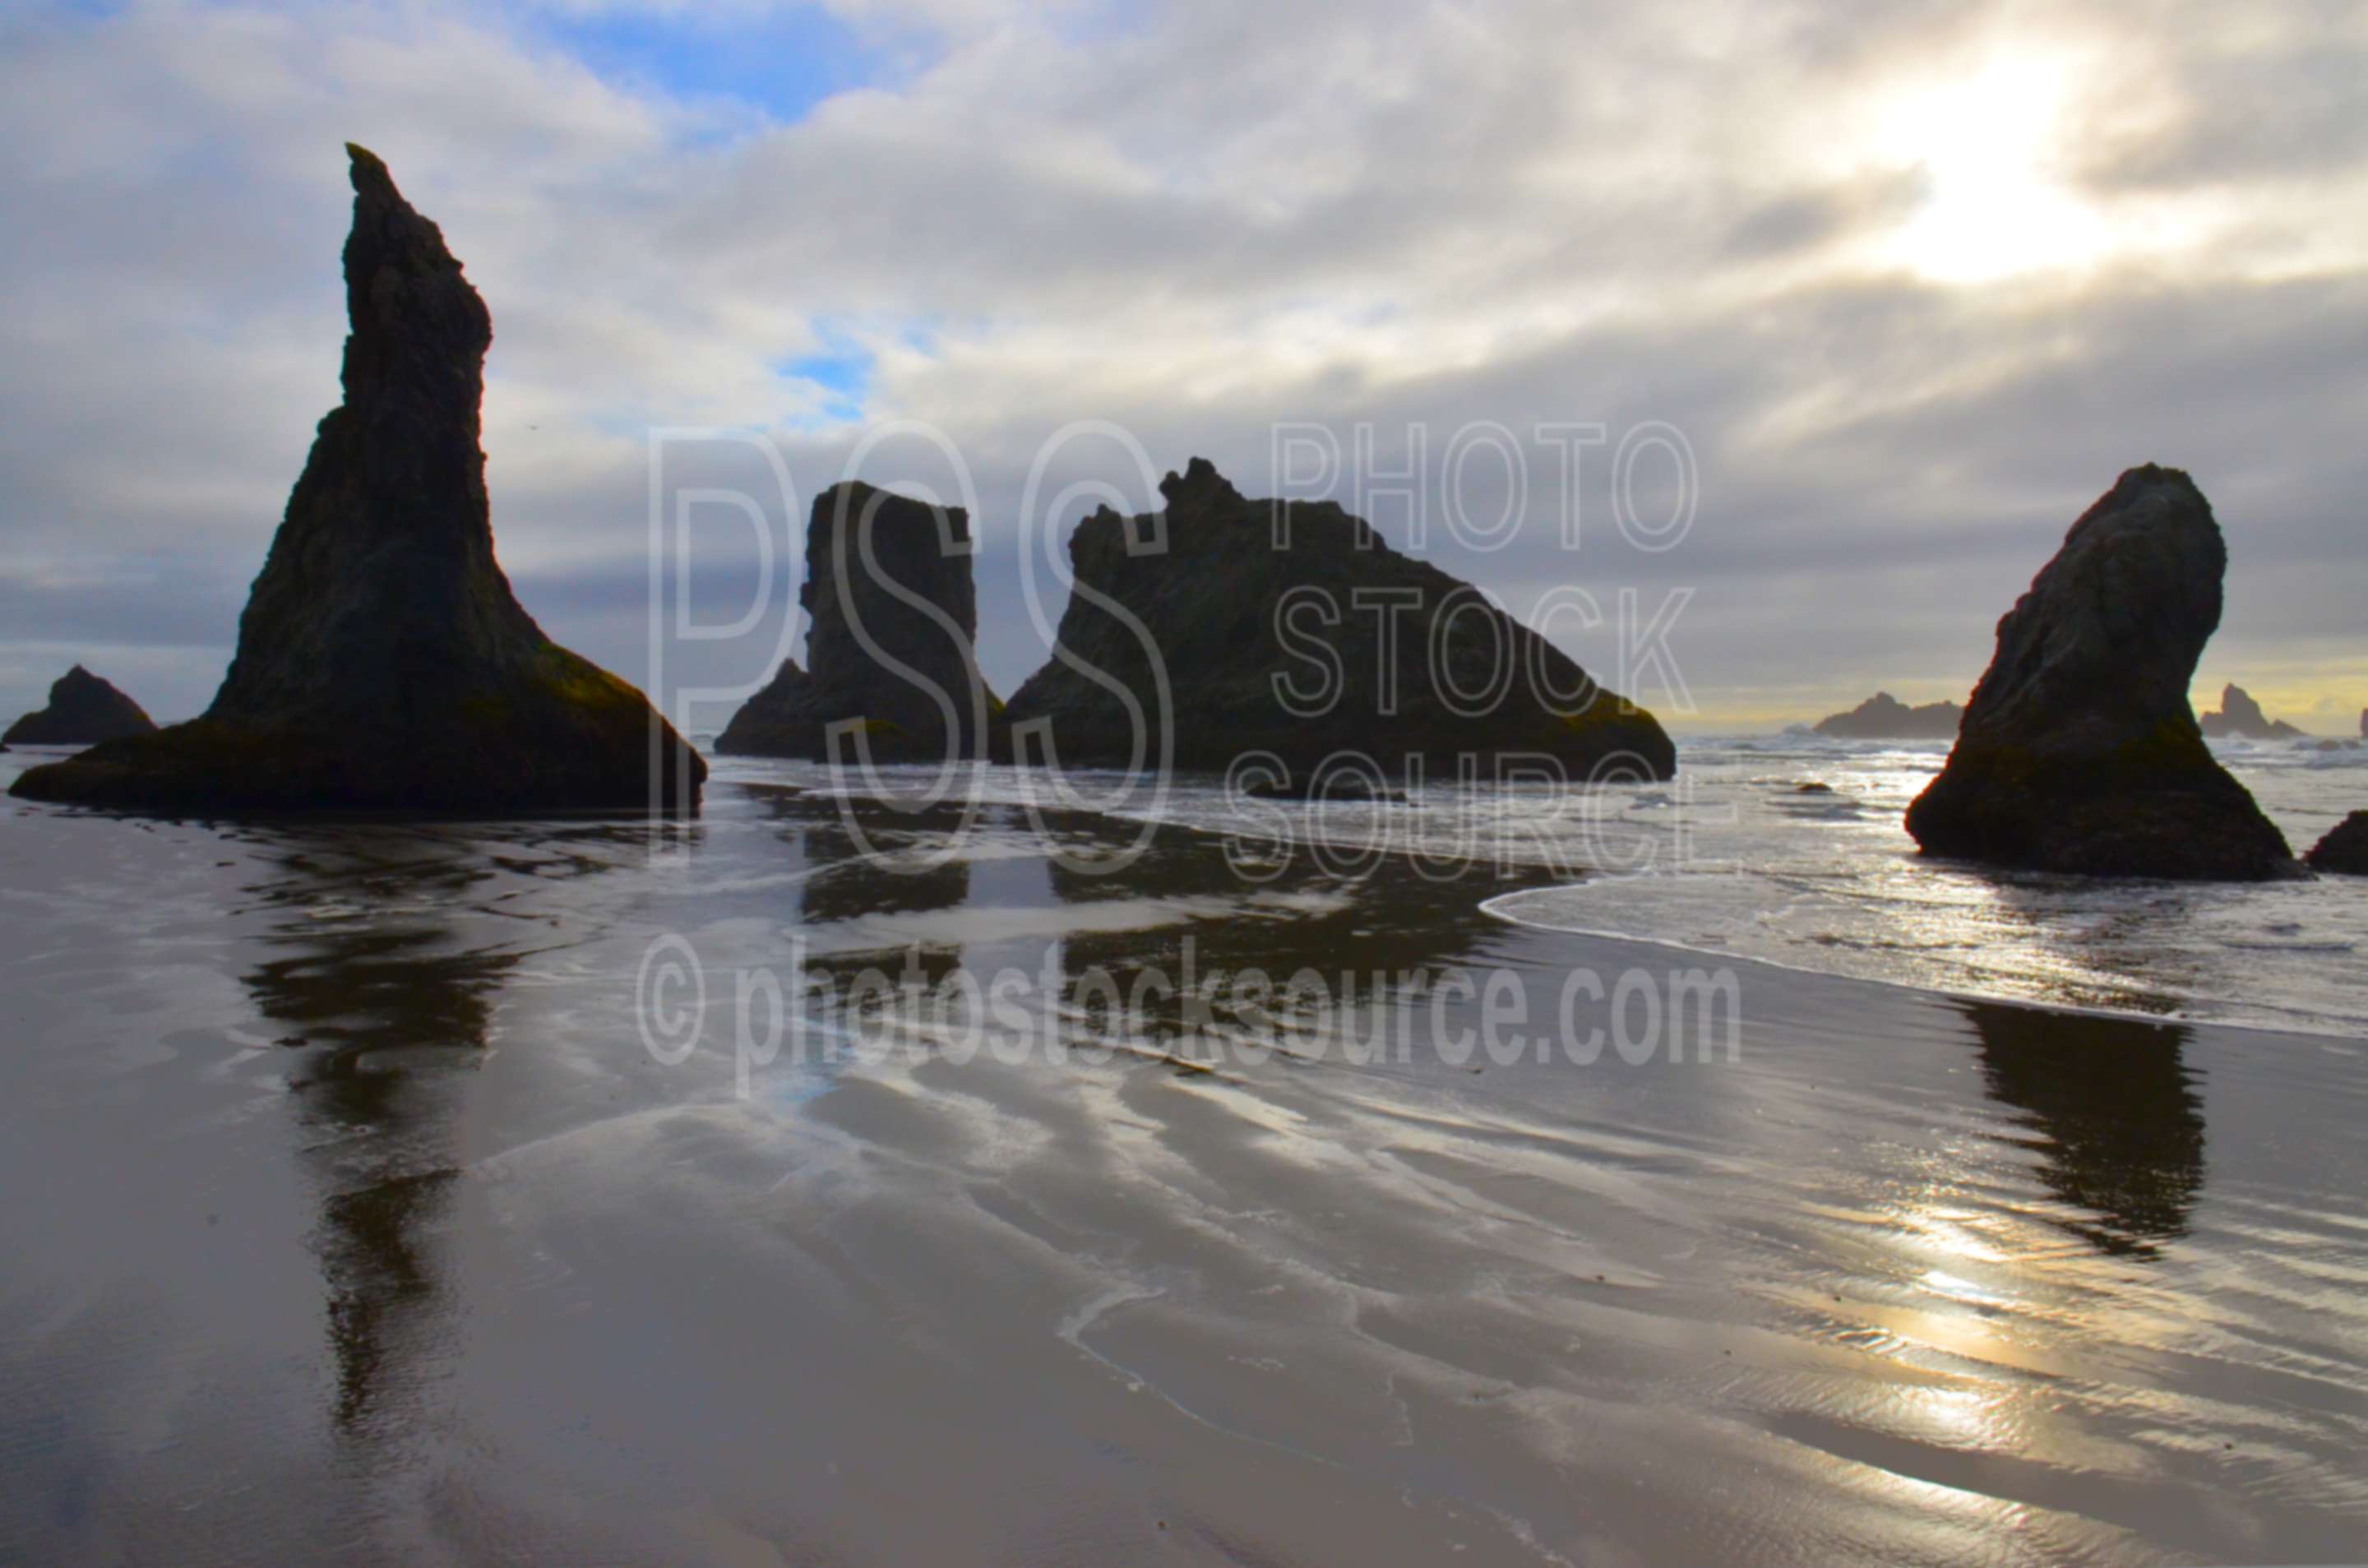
x: 841, y: 373
x: 780, y: 60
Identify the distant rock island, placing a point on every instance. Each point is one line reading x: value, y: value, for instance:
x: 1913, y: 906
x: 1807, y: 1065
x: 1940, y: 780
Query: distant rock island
x: 82, y: 711
x: 384, y: 664
x: 2241, y: 717
x: 2344, y: 849
x: 2078, y: 751
x: 1206, y: 595
x: 1884, y: 717
x: 891, y: 615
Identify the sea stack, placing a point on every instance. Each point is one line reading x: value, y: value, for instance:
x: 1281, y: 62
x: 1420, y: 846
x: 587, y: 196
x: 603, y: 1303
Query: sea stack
x: 2345, y: 847
x: 82, y: 711
x: 891, y: 615
x: 2241, y: 717
x: 383, y: 663
x: 1205, y: 583
x: 1884, y: 717
x: 2078, y: 750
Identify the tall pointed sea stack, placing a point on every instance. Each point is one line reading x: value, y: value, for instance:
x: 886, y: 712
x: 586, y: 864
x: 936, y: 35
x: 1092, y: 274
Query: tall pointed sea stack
x: 891, y: 613
x: 384, y: 664
x: 2078, y: 751
x: 1318, y: 641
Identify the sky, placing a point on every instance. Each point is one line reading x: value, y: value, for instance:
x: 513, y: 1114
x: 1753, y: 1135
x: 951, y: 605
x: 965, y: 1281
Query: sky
x: 1844, y: 310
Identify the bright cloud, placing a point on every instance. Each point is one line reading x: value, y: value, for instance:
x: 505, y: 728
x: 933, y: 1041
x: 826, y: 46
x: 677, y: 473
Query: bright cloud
x: 1914, y: 290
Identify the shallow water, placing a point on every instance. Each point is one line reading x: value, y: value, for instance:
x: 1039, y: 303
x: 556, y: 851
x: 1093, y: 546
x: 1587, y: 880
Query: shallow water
x: 1829, y: 881
x: 1735, y: 857
x: 352, y: 1218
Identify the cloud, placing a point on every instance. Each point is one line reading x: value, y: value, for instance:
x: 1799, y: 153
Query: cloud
x: 2279, y: 96
x: 1197, y: 221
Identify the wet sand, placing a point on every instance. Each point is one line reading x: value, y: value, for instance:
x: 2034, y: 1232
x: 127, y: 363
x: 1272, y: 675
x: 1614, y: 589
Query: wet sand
x: 349, y: 1219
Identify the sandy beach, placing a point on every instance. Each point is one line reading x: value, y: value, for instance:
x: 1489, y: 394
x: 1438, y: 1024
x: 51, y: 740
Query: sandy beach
x: 353, y: 1217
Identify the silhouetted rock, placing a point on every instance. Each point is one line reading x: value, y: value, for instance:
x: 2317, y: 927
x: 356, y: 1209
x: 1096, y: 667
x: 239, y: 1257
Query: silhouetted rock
x: 2241, y: 717
x: 1884, y: 717
x: 891, y: 612
x: 1203, y: 582
x: 778, y: 721
x: 384, y: 664
x: 2345, y: 849
x: 2078, y: 751
x: 82, y: 711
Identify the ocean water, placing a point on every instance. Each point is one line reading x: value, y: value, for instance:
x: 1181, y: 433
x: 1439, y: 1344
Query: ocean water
x: 1735, y: 859
x: 1831, y: 882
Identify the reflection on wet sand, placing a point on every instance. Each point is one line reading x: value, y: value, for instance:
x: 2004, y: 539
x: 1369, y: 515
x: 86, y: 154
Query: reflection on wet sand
x: 2112, y: 1111
x: 1166, y: 903
x: 1378, y: 932
x: 386, y: 1006
x: 1358, y: 1266
x: 883, y: 877
x: 1901, y: 1280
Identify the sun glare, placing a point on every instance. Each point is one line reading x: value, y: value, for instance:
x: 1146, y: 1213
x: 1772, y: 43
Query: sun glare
x: 1991, y: 207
